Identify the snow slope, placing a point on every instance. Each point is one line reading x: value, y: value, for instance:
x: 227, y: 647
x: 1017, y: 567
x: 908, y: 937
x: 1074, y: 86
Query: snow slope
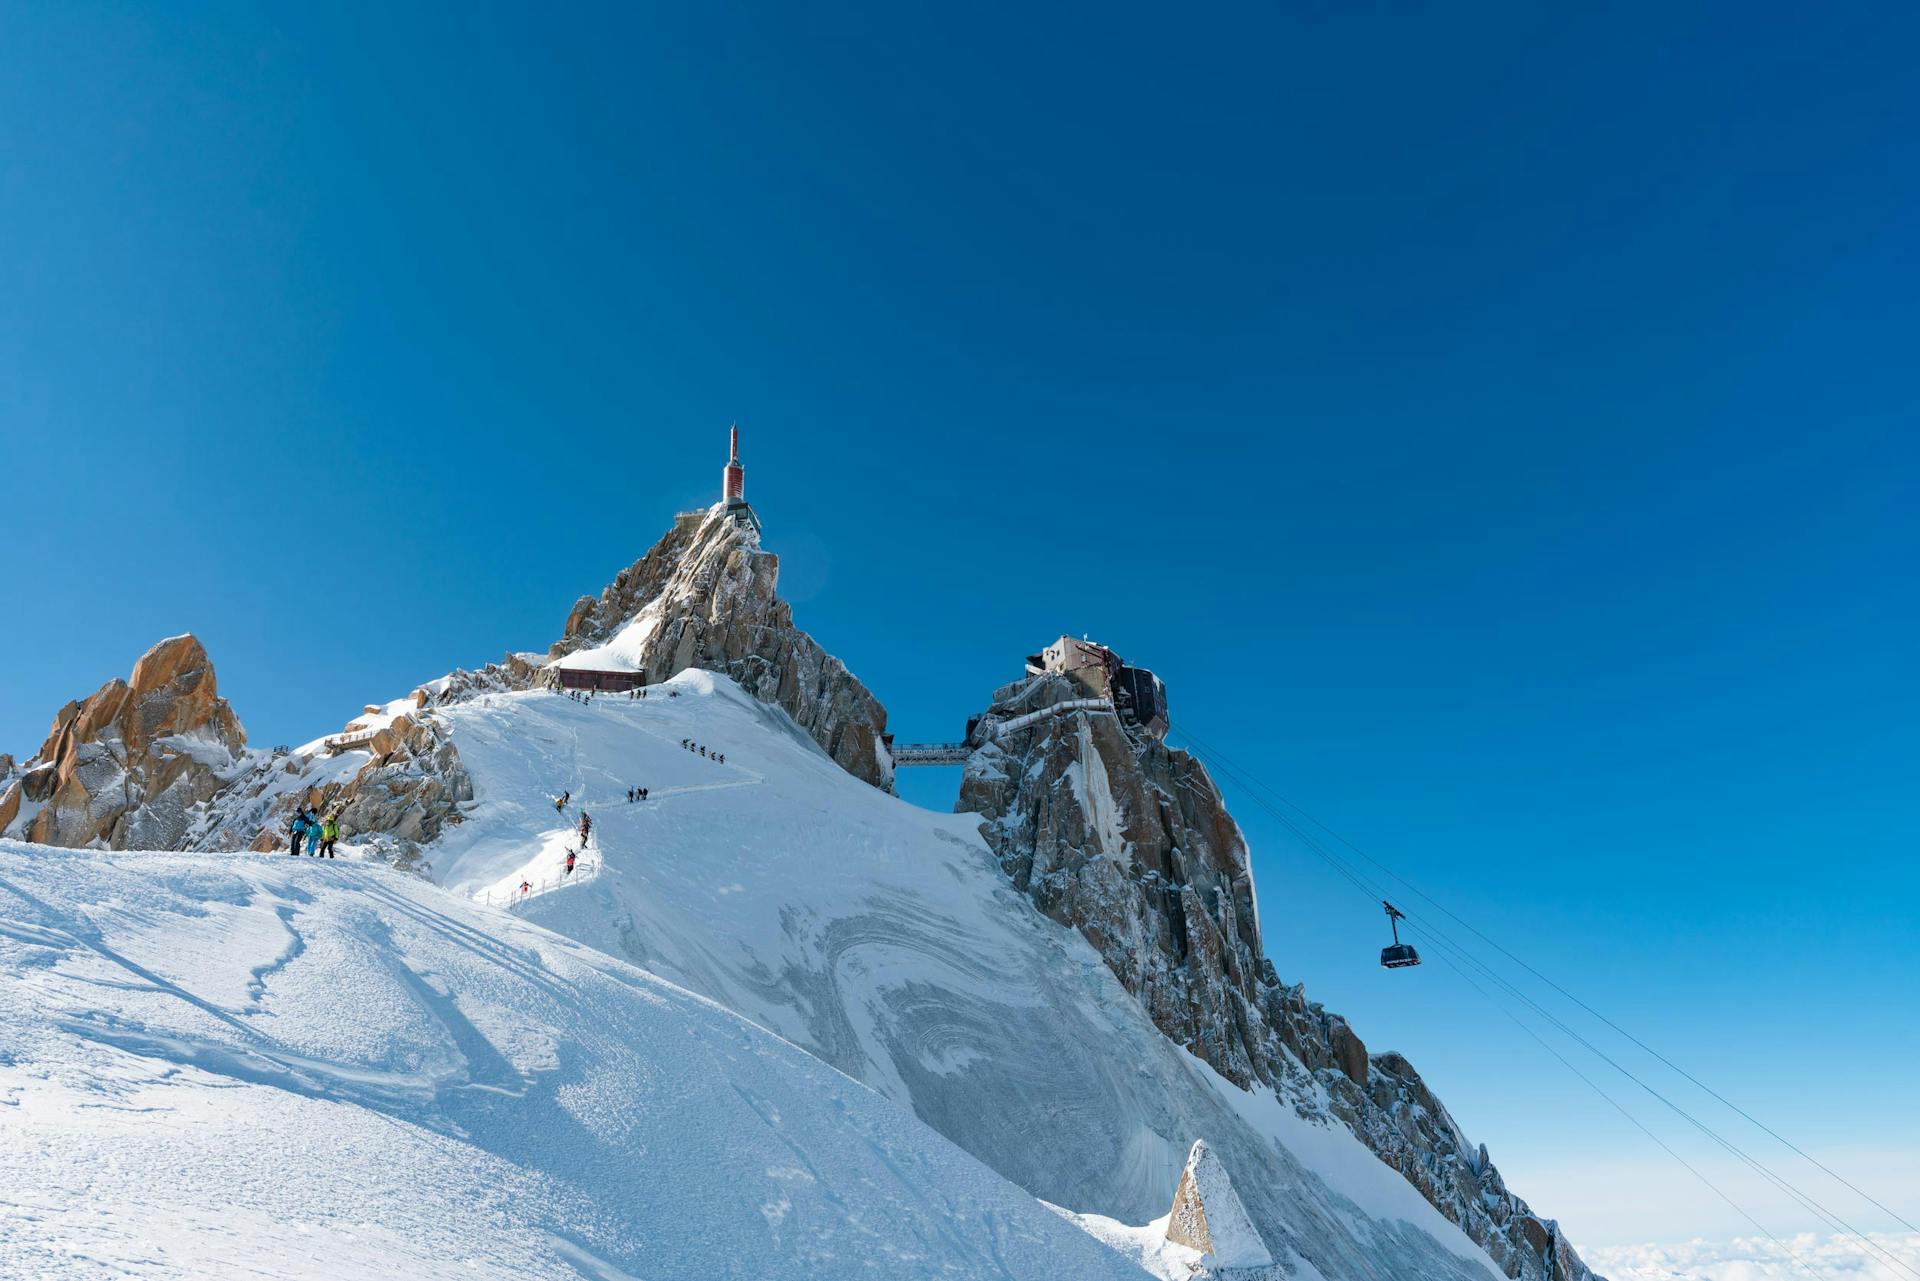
x: 884, y: 939
x: 247, y: 1065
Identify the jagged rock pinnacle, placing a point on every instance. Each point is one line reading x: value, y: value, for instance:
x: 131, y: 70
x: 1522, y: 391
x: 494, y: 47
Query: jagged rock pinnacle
x: 123, y: 767
x: 1116, y: 834
x: 706, y: 596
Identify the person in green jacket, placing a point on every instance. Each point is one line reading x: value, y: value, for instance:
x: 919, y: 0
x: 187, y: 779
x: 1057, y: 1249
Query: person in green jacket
x: 329, y: 833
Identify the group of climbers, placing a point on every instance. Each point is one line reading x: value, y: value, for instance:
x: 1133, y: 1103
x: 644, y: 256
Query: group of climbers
x: 318, y: 833
x: 692, y: 746
x: 586, y: 696
x: 573, y: 855
x: 636, y: 794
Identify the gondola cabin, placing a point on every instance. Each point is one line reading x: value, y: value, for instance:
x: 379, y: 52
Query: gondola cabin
x: 1397, y: 955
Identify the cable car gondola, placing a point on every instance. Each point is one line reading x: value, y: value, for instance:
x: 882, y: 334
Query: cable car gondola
x: 1400, y: 955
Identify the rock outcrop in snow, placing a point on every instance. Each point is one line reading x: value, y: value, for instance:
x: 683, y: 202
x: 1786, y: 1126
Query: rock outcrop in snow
x: 1107, y: 830
x: 1207, y: 1215
x: 127, y: 767
x: 398, y: 790
x: 160, y: 762
x: 705, y: 596
x: 1113, y: 833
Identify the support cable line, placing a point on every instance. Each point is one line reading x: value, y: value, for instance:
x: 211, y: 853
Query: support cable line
x: 1806, y: 1202
x: 1621, y: 1108
x: 1439, y: 937
x: 1718, y: 1097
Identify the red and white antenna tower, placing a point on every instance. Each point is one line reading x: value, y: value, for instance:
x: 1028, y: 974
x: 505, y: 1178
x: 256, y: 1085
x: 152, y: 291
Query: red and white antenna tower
x: 734, y: 478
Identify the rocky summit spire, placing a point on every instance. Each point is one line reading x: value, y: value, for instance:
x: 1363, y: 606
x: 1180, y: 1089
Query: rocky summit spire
x: 706, y: 597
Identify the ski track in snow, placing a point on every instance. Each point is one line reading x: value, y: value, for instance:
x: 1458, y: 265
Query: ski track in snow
x: 884, y: 938
x: 217, y: 1066
x: 246, y: 1066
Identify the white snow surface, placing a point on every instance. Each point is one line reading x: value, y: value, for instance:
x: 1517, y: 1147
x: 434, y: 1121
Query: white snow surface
x: 247, y: 1065
x: 224, y: 1066
x: 885, y: 939
x: 1147, y: 1245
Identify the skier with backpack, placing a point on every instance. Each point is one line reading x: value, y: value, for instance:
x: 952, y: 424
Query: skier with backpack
x: 329, y: 833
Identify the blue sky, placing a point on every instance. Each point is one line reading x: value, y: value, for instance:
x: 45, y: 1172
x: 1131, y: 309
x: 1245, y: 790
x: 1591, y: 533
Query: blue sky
x: 1496, y: 427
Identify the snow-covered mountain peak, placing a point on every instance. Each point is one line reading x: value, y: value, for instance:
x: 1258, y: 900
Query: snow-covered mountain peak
x: 1068, y: 980
x: 706, y: 596
x: 888, y: 941
x: 1124, y: 838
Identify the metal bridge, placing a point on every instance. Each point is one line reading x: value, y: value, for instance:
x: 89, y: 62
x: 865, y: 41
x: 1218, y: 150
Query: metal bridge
x: 906, y: 755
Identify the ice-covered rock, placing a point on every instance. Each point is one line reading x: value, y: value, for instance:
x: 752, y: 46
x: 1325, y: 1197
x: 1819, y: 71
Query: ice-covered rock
x: 126, y: 767
x: 1116, y: 834
x: 1106, y: 829
x: 1207, y: 1215
x: 706, y: 596
x: 394, y: 792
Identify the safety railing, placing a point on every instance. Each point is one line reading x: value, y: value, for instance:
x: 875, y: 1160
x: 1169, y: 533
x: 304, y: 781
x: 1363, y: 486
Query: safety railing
x: 584, y: 870
x: 347, y: 742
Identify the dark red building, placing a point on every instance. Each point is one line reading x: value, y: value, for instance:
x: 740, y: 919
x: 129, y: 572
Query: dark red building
x: 587, y: 678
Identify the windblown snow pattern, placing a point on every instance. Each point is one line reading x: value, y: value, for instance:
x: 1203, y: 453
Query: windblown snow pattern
x: 885, y: 939
x: 251, y: 1066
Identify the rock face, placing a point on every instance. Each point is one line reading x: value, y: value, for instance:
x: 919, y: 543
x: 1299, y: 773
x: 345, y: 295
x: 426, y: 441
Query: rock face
x: 159, y: 762
x: 1113, y: 833
x: 1207, y: 1216
x: 396, y: 791
x: 129, y: 766
x: 705, y: 596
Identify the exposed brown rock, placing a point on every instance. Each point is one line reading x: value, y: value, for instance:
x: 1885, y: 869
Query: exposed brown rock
x: 705, y: 596
x: 1348, y: 1051
x: 408, y: 788
x: 1208, y: 1216
x: 127, y: 767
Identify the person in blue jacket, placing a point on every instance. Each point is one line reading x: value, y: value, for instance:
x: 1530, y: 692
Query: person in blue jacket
x: 299, y: 832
